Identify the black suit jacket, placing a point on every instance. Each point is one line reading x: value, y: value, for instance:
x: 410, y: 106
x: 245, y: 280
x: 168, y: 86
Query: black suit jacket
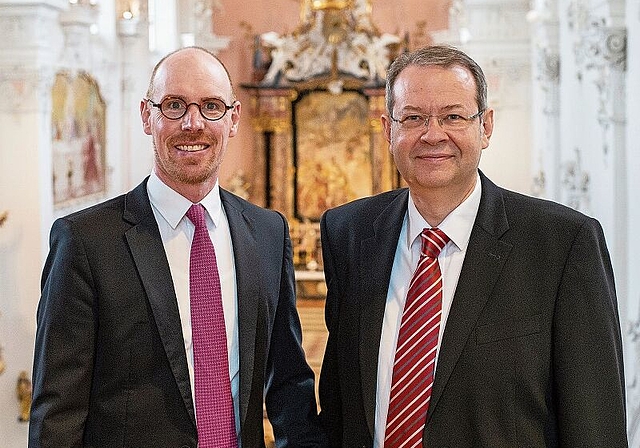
x: 110, y: 366
x: 531, y: 354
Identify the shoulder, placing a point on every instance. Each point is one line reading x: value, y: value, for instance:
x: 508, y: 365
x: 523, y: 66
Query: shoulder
x: 383, y: 212
x: 95, y: 217
x: 116, y: 213
x: 521, y: 207
x: 533, y: 216
x: 367, y: 208
x: 235, y: 204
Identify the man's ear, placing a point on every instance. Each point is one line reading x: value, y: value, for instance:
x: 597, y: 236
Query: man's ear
x: 386, y: 126
x: 487, y: 127
x: 235, y: 118
x: 145, y: 115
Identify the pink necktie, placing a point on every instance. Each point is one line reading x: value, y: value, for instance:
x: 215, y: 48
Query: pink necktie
x: 416, y: 349
x: 214, y: 405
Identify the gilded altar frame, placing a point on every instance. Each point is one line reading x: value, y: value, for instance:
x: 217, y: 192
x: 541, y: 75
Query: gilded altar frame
x: 288, y: 125
x: 317, y: 149
x: 316, y: 100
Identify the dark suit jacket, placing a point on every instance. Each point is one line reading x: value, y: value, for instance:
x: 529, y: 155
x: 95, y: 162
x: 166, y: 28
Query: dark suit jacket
x: 531, y: 354
x: 110, y: 366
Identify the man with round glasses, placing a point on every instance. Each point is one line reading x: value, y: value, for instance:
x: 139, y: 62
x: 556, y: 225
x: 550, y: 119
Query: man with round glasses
x: 212, y: 109
x: 124, y: 356
x: 461, y: 314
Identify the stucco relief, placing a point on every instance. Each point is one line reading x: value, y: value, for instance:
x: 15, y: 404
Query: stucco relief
x: 30, y: 42
x: 334, y: 38
x: 576, y: 184
x: 548, y: 68
x: 600, y: 57
x: 28, y: 28
x: 603, y: 46
x: 631, y: 335
x: 602, y: 53
x: 25, y: 90
x: 577, y: 15
x: 503, y: 22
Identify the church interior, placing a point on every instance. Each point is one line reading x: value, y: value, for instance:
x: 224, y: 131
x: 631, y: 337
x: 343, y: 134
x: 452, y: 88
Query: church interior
x: 563, y: 77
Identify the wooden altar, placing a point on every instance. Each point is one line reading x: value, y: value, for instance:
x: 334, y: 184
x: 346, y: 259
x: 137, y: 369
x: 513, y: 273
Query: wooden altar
x: 316, y: 104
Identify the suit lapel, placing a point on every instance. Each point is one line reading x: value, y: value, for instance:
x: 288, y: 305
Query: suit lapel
x: 248, y: 290
x: 150, y: 258
x: 377, y: 252
x: 485, y: 258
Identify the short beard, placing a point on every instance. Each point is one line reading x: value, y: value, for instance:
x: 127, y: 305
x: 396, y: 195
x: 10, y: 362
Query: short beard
x: 174, y: 171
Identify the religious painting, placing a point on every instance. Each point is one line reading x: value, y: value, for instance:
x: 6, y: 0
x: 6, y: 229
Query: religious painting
x: 78, y: 127
x: 333, y: 160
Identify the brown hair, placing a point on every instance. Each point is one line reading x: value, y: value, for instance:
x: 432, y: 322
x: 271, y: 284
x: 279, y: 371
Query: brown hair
x: 441, y: 56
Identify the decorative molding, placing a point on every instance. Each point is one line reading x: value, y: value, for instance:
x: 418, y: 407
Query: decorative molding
x: 25, y: 90
x: 30, y: 44
x: 30, y: 35
x: 603, y: 46
x: 577, y: 15
x: 498, y: 21
x: 576, y: 184
x: 548, y: 68
x: 548, y: 79
x: 330, y: 43
x: 631, y: 331
x: 76, y: 23
x: 596, y: 43
x: 600, y: 54
x: 539, y: 184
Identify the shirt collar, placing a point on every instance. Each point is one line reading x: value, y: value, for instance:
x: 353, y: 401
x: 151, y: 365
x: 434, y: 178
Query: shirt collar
x: 457, y: 224
x: 173, y: 206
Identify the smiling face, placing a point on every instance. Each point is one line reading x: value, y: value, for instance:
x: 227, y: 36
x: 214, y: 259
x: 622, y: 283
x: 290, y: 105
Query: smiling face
x: 430, y: 159
x: 189, y: 150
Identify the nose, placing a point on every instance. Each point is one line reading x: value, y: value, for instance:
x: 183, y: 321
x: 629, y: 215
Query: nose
x: 193, y: 119
x: 431, y: 119
x: 433, y: 131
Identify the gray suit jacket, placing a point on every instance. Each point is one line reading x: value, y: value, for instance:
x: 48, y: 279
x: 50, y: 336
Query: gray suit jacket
x: 531, y: 354
x: 110, y: 366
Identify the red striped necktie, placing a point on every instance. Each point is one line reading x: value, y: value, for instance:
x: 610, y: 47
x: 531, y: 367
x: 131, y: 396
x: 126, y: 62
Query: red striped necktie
x: 413, y: 368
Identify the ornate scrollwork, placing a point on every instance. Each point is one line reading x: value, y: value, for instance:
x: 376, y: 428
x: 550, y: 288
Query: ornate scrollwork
x: 576, y: 183
x: 604, y: 46
x: 335, y: 39
x: 548, y: 67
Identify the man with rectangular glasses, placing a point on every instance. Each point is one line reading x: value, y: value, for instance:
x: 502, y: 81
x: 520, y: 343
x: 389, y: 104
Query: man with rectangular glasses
x: 461, y: 314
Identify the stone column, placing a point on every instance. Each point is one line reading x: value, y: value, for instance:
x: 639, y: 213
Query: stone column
x: 545, y: 136
x: 30, y: 45
x: 631, y: 281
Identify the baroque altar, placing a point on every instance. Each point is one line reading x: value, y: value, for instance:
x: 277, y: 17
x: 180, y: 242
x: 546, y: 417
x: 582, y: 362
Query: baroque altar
x: 316, y: 98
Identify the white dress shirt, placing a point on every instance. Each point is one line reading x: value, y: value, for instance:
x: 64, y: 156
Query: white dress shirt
x: 457, y: 226
x: 176, y: 230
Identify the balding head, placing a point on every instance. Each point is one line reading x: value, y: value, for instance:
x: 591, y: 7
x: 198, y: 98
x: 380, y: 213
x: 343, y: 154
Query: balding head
x: 181, y: 53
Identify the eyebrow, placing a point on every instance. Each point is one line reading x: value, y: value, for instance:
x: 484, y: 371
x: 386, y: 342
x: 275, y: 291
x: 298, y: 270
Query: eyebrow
x: 444, y: 109
x: 204, y: 98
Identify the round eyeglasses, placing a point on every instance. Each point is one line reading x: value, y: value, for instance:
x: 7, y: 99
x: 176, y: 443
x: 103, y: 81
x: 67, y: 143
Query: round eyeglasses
x: 212, y: 109
x: 448, y: 122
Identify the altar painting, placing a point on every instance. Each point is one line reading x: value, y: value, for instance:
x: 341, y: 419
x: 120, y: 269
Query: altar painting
x: 333, y: 162
x: 78, y: 126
